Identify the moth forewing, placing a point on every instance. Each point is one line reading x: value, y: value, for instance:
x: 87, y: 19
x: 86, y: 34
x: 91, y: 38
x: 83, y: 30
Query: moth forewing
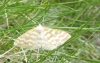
x: 55, y: 38
x: 28, y: 40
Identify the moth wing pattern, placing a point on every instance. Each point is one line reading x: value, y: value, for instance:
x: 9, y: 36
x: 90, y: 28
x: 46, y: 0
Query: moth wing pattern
x: 54, y: 38
x: 28, y: 40
x: 42, y: 37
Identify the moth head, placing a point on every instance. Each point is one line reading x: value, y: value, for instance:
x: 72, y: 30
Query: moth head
x: 39, y: 27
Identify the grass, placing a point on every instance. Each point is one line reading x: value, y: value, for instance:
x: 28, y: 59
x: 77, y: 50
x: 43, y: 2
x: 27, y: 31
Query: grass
x: 79, y: 17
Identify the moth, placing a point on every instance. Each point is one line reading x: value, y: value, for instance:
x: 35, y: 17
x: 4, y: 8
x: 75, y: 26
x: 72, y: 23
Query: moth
x: 42, y: 37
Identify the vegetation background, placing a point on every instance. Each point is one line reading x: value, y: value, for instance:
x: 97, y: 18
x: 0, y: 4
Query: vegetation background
x: 81, y: 18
